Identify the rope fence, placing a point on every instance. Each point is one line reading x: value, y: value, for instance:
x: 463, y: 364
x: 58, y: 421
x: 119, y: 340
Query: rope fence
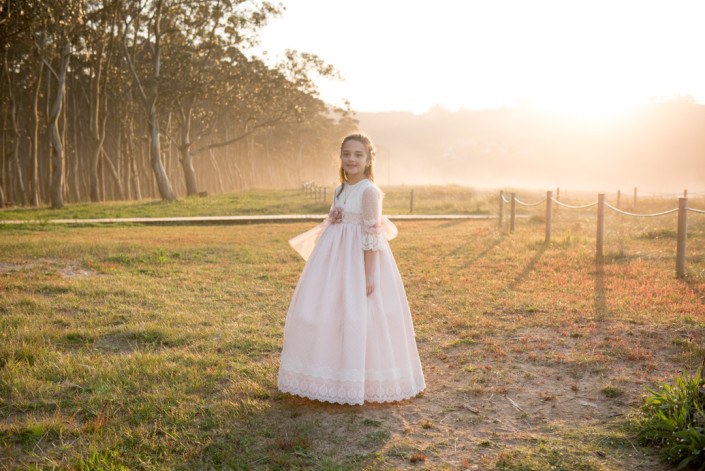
x: 318, y: 192
x: 626, y: 213
x: 682, y: 210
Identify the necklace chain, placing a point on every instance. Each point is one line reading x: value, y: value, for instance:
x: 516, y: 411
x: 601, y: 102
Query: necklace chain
x: 346, y: 194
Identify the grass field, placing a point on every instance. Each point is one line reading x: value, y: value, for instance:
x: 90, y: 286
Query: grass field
x: 130, y: 347
x: 427, y: 200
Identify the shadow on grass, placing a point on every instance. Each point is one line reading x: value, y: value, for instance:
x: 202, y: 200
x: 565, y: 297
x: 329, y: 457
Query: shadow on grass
x: 482, y: 254
x: 297, y: 433
x: 528, y: 268
x: 599, y: 293
x: 696, y: 285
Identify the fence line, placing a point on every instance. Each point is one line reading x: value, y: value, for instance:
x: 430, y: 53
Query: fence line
x: 315, y: 191
x: 530, y: 204
x: 585, y: 206
x: 601, y: 204
x: 626, y: 213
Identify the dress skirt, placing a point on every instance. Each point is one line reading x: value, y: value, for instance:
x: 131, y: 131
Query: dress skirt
x: 341, y: 345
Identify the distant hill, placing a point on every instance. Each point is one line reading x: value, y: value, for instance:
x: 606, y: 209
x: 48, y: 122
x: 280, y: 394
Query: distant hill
x: 659, y: 147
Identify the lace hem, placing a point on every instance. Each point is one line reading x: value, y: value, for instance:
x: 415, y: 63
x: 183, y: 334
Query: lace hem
x: 349, y: 392
x: 327, y: 373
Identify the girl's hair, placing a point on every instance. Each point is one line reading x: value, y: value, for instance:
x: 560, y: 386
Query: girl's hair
x: 369, y: 150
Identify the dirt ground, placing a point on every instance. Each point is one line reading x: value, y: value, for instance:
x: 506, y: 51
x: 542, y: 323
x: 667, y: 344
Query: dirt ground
x: 532, y: 408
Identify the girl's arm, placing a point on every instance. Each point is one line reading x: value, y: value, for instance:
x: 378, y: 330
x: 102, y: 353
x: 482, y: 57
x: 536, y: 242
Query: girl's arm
x: 372, y: 237
x: 370, y: 263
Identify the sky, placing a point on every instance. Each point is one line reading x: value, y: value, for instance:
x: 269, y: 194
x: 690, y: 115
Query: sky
x: 584, y: 58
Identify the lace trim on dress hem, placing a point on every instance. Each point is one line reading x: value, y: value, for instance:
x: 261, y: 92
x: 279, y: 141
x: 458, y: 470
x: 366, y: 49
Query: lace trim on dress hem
x: 349, y: 374
x: 351, y: 393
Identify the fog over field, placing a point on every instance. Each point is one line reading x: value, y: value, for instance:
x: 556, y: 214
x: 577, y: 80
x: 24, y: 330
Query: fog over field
x: 657, y: 148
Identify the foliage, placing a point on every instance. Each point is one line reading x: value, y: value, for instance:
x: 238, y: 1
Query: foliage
x: 674, y: 420
x: 175, y: 80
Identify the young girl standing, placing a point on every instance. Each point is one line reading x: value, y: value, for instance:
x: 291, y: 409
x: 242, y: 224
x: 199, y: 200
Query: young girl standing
x: 348, y: 336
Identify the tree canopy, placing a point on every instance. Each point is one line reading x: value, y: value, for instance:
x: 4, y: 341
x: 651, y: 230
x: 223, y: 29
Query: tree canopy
x: 126, y: 99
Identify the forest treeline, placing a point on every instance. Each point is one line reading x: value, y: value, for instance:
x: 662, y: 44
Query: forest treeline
x: 129, y: 99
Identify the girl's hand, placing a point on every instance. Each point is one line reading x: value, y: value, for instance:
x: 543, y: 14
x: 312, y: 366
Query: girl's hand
x: 336, y: 215
x: 369, y: 284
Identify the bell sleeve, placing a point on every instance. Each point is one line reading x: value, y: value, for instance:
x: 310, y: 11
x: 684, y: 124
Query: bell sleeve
x: 375, y: 228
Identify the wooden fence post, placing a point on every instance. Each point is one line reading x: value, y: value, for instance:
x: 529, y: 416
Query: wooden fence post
x: 634, y: 207
x: 500, y: 218
x: 600, y: 227
x: 513, y: 210
x: 549, y: 213
x: 619, y: 198
x: 685, y: 193
x: 411, y: 202
x: 682, y: 236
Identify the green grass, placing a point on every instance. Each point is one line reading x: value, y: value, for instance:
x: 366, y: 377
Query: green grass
x: 157, y: 347
x: 427, y: 200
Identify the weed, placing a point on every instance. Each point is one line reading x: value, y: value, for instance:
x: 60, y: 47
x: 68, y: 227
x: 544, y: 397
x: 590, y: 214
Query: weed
x: 611, y: 391
x: 673, y: 419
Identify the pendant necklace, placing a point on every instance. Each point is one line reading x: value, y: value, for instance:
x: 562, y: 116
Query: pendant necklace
x: 346, y: 194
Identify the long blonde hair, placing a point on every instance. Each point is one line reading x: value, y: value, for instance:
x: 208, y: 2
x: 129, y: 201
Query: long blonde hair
x: 369, y: 150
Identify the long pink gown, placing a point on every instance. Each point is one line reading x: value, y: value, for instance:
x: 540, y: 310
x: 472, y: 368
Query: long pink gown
x: 341, y: 345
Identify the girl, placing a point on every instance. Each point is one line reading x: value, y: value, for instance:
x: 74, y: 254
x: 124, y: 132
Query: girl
x: 348, y: 336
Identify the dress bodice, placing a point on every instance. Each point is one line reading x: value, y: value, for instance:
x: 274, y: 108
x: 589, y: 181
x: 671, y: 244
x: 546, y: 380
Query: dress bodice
x: 351, y: 199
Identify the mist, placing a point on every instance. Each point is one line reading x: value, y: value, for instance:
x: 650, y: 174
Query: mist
x: 658, y: 147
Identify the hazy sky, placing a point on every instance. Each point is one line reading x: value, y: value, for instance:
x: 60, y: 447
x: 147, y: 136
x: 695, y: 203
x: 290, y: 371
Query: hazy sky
x: 582, y: 57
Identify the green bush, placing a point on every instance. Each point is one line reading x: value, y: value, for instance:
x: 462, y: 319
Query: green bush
x: 673, y: 419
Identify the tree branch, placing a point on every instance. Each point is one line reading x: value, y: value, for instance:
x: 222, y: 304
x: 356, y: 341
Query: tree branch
x: 263, y: 124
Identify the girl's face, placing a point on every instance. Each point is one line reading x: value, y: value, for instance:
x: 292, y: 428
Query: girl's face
x: 354, y: 159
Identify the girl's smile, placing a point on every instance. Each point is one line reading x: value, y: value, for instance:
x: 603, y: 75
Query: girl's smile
x: 354, y: 158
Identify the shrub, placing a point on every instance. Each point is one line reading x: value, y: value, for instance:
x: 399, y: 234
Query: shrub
x: 673, y: 419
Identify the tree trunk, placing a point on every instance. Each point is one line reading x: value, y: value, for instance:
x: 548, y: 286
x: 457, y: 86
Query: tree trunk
x: 34, y: 159
x: 216, y: 168
x: 185, y: 150
x: 96, y: 139
x: 135, y: 176
x: 76, y: 171
x: 163, y: 183
x: 150, y: 102
x: 116, y: 176
x: 15, y: 133
x: 57, y: 157
x: 67, y: 147
x: 2, y: 152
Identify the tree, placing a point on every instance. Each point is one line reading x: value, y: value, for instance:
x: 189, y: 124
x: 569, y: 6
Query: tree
x: 90, y: 88
x: 59, y: 25
x: 147, y: 38
x: 204, y: 33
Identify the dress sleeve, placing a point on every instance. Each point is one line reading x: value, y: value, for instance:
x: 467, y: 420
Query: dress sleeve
x: 372, y: 233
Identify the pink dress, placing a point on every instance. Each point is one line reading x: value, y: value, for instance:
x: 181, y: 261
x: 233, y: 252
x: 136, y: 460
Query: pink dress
x: 341, y: 345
